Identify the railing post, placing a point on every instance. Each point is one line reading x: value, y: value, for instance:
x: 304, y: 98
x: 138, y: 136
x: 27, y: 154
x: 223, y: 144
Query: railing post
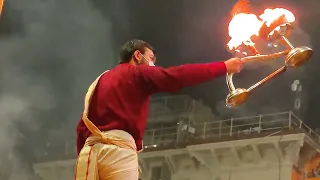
x: 186, y: 103
x: 290, y: 118
x: 260, y: 118
x: 165, y: 102
x: 152, y: 137
x: 179, y: 133
x: 204, y: 130
x: 300, y: 126
x: 231, y: 126
x: 220, y: 127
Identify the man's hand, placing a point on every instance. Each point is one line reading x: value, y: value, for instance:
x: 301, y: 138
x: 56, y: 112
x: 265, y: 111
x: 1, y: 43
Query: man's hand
x: 234, y: 65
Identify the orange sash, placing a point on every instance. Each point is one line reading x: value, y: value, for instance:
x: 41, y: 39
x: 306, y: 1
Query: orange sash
x: 92, y: 128
x: 88, y: 156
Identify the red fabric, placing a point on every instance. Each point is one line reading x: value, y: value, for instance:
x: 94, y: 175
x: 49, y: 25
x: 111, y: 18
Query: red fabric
x: 122, y: 96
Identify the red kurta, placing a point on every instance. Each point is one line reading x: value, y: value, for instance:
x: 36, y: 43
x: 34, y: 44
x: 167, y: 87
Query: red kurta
x: 122, y: 96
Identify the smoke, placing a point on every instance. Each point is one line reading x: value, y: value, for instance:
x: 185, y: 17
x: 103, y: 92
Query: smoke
x: 53, y: 51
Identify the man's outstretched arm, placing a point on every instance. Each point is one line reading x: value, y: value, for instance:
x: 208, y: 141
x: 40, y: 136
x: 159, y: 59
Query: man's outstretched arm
x: 157, y: 79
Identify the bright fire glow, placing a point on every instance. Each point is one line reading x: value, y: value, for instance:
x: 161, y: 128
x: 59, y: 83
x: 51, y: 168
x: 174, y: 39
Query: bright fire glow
x: 243, y: 26
x: 270, y: 15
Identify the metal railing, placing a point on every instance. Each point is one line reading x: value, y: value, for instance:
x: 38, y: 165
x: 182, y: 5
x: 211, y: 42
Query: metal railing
x: 173, y: 106
x: 217, y: 129
x: 229, y: 127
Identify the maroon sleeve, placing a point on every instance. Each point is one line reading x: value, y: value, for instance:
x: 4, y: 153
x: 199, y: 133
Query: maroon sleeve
x: 157, y: 79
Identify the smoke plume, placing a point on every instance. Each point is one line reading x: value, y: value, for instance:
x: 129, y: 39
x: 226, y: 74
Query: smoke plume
x: 50, y: 51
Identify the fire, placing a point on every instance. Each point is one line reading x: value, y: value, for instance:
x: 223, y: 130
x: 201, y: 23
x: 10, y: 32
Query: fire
x: 1, y: 6
x: 243, y: 26
x: 271, y: 15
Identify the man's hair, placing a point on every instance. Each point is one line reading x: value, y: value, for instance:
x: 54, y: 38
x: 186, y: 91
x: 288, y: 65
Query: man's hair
x: 127, y: 50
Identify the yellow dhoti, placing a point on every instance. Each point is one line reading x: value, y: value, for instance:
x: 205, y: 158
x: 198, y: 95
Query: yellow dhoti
x: 99, y: 160
x: 109, y: 155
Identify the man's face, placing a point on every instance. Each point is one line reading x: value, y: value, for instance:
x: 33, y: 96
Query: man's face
x: 147, y: 57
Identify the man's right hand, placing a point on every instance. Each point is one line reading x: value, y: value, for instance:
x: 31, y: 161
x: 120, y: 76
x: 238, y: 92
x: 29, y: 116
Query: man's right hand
x: 234, y: 65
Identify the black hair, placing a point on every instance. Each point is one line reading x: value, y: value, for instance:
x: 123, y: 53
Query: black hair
x: 127, y: 50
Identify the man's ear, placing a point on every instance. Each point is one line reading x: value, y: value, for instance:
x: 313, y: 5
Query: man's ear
x: 136, y: 56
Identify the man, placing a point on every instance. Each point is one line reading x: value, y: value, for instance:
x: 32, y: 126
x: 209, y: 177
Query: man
x: 112, y: 126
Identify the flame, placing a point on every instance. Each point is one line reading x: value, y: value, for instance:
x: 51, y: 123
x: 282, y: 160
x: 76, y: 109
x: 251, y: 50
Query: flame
x: 270, y: 15
x: 1, y: 6
x: 243, y: 26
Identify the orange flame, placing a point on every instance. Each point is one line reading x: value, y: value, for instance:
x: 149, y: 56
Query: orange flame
x: 1, y: 6
x: 243, y: 26
x: 270, y: 15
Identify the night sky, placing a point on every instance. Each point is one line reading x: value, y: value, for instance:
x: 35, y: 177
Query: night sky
x: 189, y: 32
x: 51, y: 50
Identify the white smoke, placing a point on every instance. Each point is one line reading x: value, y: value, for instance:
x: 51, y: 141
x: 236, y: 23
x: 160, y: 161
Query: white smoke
x: 56, y: 49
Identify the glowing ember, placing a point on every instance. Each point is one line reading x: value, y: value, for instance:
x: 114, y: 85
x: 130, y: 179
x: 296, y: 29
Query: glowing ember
x: 243, y: 26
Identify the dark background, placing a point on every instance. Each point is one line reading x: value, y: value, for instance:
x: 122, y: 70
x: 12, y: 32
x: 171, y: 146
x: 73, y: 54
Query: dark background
x: 51, y: 50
